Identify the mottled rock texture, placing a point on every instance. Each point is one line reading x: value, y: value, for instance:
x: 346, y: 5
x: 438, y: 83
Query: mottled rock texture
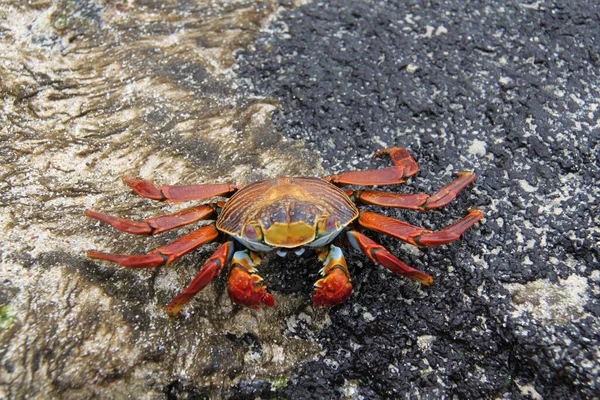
x: 509, y: 90
x: 184, y: 91
x: 90, y: 92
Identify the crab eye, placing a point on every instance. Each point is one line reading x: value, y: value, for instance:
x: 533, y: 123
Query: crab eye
x: 252, y: 232
x: 330, y: 224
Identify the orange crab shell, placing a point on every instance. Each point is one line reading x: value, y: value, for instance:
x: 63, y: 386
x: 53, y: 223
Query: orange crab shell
x: 287, y: 212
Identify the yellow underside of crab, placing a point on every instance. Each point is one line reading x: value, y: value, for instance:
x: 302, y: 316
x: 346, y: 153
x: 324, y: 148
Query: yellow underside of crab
x: 289, y: 235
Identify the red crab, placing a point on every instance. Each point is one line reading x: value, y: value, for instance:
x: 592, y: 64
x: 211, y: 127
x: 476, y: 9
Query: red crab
x: 289, y: 214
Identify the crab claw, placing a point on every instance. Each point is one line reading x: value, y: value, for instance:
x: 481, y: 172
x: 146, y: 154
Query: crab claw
x: 244, y: 289
x: 244, y: 286
x: 335, y: 287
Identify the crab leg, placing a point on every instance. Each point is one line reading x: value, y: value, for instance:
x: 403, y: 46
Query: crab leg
x: 377, y: 253
x: 211, y: 268
x: 415, y: 235
x: 421, y: 202
x: 404, y: 167
x: 335, y: 287
x: 153, y: 226
x: 180, y: 192
x: 163, y: 255
x: 244, y: 285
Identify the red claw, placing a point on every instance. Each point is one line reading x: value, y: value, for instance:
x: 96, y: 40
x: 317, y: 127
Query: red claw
x: 244, y: 289
x: 333, y: 289
x: 268, y: 300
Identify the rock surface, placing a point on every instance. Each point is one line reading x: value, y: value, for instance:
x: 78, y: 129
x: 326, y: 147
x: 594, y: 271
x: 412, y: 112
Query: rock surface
x: 91, y: 92
x: 508, y: 90
x: 183, y: 91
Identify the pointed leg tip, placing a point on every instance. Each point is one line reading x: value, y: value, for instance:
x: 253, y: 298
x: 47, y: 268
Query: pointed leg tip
x: 97, y: 215
x: 100, y: 255
x: 131, y: 181
x: 97, y: 254
x: 381, y: 152
x: 174, y: 310
x: 387, y: 151
x: 476, y: 212
x: 464, y: 173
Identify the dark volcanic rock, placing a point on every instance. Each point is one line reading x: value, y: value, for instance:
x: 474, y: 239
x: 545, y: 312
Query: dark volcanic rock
x: 508, y: 90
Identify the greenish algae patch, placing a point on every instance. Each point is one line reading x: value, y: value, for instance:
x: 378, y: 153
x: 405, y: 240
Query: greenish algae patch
x: 6, y: 317
x: 279, y: 383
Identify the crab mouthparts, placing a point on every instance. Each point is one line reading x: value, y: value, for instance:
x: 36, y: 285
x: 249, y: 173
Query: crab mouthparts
x: 282, y: 253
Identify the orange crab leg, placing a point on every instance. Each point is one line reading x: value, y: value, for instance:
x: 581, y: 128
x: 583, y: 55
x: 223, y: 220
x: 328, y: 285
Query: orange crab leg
x: 211, y: 268
x: 415, y: 235
x: 153, y: 226
x: 244, y: 285
x: 163, y: 255
x: 421, y: 202
x: 404, y: 167
x: 180, y: 192
x: 335, y: 287
x: 377, y: 253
